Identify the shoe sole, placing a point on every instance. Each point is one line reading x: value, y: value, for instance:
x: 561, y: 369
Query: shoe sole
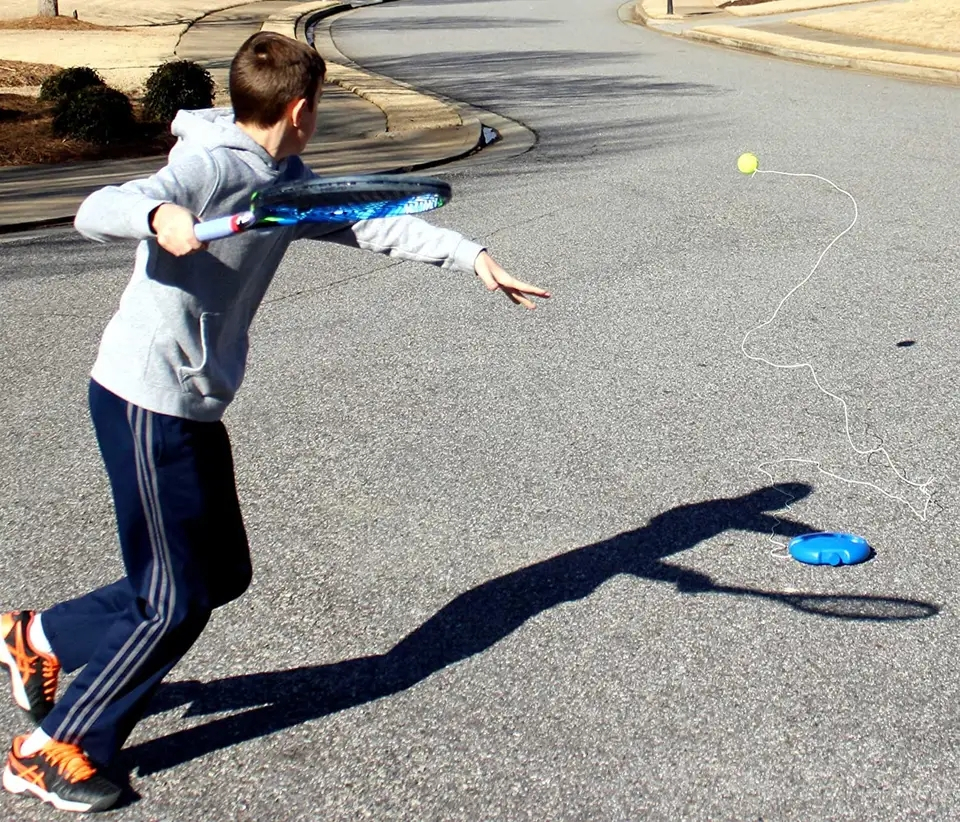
x: 14, y: 784
x: 16, y: 683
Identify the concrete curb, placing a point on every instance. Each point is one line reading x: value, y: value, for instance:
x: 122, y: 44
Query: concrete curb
x: 836, y: 57
x: 788, y: 48
x: 286, y: 22
x: 35, y: 225
x: 499, y: 137
x: 404, y: 108
x: 634, y: 12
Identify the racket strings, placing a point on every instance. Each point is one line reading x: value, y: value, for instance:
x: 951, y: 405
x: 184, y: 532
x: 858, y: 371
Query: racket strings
x: 879, y: 450
x: 377, y: 208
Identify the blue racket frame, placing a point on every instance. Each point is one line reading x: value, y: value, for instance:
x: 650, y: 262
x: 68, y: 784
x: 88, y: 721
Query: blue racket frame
x: 332, y: 200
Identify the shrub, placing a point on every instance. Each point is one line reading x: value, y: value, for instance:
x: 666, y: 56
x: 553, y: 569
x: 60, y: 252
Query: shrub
x: 181, y: 84
x: 97, y: 114
x: 66, y: 82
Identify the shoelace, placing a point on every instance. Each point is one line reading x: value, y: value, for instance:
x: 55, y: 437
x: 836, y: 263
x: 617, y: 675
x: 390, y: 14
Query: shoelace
x: 20, y: 654
x: 50, y: 668
x: 51, y: 671
x: 69, y: 760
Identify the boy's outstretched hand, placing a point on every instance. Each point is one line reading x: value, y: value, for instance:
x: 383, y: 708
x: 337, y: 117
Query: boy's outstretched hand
x: 495, y: 278
x: 173, y: 226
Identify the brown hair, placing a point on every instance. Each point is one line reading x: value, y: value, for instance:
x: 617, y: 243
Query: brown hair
x: 268, y: 73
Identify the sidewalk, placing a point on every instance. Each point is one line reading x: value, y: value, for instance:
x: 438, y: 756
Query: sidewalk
x: 367, y: 123
x: 915, y: 39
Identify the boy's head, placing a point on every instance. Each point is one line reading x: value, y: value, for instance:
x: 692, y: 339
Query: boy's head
x: 276, y: 80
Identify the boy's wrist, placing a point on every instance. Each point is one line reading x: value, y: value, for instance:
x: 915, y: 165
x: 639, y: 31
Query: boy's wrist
x: 466, y: 254
x: 153, y: 213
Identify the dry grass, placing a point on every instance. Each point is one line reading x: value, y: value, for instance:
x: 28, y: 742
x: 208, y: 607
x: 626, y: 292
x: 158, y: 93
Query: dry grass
x: 939, y: 63
x: 756, y: 9
x: 50, y: 24
x: 932, y: 24
x: 26, y: 137
x: 14, y: 73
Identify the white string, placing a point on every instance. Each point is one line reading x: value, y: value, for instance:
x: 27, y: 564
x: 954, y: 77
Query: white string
x: 923, y: 487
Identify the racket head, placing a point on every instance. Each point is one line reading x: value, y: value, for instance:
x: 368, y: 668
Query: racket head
x: 348, y: 199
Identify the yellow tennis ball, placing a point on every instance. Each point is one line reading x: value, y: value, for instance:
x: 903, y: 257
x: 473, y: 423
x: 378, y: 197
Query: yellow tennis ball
x: 748, y: 163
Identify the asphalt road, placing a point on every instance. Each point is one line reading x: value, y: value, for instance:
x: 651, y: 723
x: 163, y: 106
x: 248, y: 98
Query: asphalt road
x: 519, y: 565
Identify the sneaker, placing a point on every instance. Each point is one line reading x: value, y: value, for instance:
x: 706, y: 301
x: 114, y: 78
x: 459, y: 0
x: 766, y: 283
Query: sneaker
x: 60, y: 774
x: 33, y: 675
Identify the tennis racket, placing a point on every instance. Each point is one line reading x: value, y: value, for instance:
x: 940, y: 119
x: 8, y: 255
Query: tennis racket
x: 331, y: 200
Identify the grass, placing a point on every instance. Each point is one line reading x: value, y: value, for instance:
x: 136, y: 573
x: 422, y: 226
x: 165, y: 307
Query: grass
x: 26, y: 124
x: 932, y: 24
x: 26, y: 137
x: 14, y: 74
x: 50, y: 24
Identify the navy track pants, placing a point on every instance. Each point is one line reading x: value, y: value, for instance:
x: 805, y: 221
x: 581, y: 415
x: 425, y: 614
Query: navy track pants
x: 184, y: 551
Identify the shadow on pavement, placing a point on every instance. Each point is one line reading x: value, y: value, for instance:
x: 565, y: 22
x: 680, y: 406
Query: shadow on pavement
x: 535, y: 78
x: 479, y: 618
x: 450, y: 23
x: 580, y: 104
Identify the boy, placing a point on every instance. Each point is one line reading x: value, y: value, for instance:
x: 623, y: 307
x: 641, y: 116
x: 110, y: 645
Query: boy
x: 170, y: 361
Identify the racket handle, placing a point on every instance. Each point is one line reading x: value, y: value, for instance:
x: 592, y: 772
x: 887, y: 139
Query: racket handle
x: 221, y: 227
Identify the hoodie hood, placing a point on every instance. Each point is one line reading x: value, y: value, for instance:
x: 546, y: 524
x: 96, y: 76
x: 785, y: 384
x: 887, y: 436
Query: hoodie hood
x: 214, y: 128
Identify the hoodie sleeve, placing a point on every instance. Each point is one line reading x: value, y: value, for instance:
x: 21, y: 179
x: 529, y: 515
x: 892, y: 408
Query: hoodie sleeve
x: 407, y: 238
x: 123, y: 212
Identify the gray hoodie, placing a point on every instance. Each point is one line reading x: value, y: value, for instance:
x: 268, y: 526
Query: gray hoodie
x: 178, y: 342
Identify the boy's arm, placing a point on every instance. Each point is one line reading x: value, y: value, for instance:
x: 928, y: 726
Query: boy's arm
x: 407, y: 238
x: 126, y: 212
x: 410, y: 238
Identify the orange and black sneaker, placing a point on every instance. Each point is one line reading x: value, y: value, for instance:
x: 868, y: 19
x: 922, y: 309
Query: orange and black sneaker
x: 60, y: 774
x: 33, y: 674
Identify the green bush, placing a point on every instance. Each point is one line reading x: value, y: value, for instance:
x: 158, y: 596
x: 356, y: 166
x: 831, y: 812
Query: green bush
x: 67, y: 82
x: 181, y: 84
x: 97, y: 114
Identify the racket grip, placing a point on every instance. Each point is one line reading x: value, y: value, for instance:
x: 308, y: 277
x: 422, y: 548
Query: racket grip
x: 219, y: 228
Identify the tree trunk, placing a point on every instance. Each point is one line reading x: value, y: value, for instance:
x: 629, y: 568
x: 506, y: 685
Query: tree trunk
x: 47, y: 8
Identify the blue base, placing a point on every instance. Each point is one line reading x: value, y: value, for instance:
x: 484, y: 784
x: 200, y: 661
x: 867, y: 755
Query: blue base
x: 830, y: 549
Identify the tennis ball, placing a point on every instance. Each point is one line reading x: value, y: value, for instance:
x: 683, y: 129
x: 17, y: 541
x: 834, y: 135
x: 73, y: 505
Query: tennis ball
x: 748, y: 163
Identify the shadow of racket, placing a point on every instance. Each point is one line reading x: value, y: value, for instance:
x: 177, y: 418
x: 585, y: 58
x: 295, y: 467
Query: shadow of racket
x: 861, y: 607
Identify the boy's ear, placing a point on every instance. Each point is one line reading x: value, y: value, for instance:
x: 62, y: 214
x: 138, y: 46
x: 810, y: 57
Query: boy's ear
x: 295, y: 111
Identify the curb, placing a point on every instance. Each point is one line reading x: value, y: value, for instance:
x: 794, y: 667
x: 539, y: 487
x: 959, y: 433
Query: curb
x: 633, y: 12
x: 490, y: 132
x: 857, y: 59
x: 34, y: 225
x: 404, y: 107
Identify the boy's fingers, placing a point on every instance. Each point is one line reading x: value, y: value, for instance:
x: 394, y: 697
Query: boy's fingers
x: 526, y: 288
x: 519, y: 299
x: 487, y: 279
x: 494, y: 277
x: 532, y: 289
